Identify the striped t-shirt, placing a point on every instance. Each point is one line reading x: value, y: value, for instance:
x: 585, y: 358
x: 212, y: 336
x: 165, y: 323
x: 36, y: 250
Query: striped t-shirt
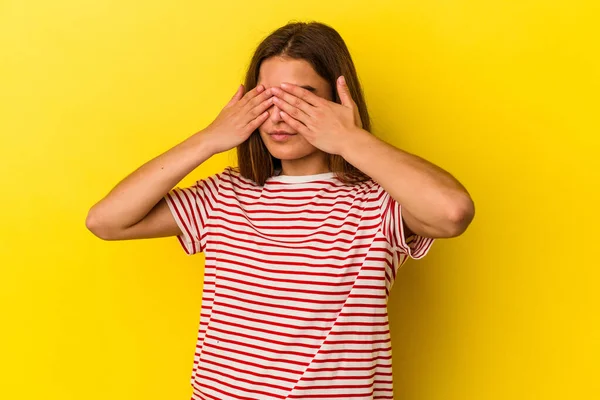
x: 296, y: 283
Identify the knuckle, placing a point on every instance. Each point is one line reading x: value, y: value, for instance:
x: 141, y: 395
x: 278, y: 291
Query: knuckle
x: 262, y: 98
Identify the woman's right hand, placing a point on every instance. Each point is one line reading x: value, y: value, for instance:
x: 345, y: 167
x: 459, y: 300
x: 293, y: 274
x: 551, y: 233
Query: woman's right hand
x: 240, y: 117
x: 136, y: 207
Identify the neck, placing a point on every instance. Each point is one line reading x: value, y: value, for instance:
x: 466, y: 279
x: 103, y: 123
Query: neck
x: 313, y: 164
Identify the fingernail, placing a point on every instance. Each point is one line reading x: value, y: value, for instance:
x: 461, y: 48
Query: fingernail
x: 260, y: 88
x: 342, y: 80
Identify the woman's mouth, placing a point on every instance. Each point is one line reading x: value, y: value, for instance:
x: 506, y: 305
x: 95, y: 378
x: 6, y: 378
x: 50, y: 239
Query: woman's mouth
x: 281, y: 136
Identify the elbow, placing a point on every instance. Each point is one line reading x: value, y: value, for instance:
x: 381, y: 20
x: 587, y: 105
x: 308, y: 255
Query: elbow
x: 94, y: 223
x: 460, y: 215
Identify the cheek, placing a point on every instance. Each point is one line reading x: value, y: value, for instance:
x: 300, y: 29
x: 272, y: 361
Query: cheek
x: 264, y: 126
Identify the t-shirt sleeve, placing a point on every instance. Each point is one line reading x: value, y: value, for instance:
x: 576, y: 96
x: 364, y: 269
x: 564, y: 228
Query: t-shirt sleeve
x: 392, y: 227
x: 192, y: 207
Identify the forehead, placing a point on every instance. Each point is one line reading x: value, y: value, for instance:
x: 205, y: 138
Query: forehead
x: 276, y: 70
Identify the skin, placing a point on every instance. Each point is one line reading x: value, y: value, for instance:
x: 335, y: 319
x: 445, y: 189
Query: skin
x: 434, y: 203
x: 135, y: 208
x: 297, y: 155
x: 290, y: 97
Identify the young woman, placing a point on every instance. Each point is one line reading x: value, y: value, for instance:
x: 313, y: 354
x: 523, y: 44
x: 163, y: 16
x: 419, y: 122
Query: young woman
x: 303, y: 239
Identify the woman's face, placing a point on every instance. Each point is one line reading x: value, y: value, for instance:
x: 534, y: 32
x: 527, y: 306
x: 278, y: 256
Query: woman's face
x: 273, y: 72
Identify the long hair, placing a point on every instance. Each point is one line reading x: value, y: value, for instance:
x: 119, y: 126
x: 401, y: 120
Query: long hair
x: 322, y: 47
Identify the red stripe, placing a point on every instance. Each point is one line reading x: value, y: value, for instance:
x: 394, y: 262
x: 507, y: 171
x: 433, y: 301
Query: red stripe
x: 281, y: 308
x: 296, y: 227
x: 348, y: 294
x: 304, y: 204
x: 231, y: 211
x: 329, y: 210
x: 185, y: 225
x: 344, y: 274
x: 253, y: 364
x: 262, y: 348
x: 294, y: 281
x: 195, y: 218
x: 217, y: 227
x: 234, y: 239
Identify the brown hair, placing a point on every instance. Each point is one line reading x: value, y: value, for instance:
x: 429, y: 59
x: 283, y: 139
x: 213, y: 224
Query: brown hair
x: 325, y: 50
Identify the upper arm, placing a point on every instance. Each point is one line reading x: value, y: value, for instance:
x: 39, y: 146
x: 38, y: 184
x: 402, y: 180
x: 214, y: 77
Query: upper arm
x: 443, y: 231
x: 183, y: 212
x: 159, y: 222
x: 414, y: 226
x: 191, y: 209
x: 399, y: 229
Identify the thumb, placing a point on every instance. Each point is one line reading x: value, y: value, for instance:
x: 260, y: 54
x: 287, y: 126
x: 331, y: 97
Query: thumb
x: 237, y: 96
x: 344, y: 92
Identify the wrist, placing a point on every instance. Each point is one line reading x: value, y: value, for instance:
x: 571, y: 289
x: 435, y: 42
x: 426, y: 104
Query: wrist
x: 202, y: 145
x: 205, y: 141
x: 356, y: 139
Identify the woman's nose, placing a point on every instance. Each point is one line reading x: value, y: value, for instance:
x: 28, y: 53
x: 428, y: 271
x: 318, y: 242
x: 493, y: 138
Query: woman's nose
x: 274, y: 115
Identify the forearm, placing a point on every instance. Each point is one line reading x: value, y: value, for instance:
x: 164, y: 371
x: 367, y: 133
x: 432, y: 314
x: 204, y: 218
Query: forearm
x: 437, y: 203
x: 133, y: 198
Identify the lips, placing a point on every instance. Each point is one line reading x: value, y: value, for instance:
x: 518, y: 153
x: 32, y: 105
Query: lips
x: 281, y: 136
x: 278, y: 133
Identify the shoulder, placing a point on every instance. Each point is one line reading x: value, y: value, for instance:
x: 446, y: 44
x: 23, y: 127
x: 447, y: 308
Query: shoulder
x: 368, y: 188
x: 231, y: 178
x: 369, y: 191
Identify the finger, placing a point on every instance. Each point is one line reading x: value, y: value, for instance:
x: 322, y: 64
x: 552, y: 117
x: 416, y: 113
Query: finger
x: 259, y: 109
x: 259, y: 99
x: 344, y: 92
x: 293, y: 100
x: 256, y: 122
x: 357, y: 119
x: 295, y: 124
x: 236, y: 97
x: 252, y: 94
x: 292, y: 111
x: 347, y: 101
x: 302, y: 93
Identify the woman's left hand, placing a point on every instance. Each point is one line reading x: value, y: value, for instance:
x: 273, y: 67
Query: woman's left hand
x: 323, y: 123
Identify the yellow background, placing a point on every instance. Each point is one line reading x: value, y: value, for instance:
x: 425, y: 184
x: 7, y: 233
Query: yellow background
x: 503, y: 94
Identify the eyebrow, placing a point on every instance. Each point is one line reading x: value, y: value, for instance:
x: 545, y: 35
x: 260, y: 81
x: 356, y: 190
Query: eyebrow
x: 309, y: 88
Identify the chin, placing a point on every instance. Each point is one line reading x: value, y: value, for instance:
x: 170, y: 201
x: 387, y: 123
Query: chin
x: 288, y: 153
x: 293, y: 150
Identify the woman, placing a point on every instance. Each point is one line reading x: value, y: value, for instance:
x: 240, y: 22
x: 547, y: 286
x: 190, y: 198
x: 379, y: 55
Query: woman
x: 303, y: 239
